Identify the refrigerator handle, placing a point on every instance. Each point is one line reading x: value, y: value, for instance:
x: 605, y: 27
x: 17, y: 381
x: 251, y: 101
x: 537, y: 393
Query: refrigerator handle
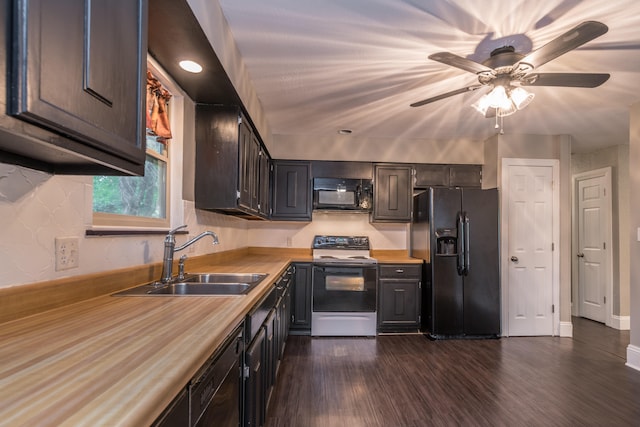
x: 460, y: 244
x: 467, y: 237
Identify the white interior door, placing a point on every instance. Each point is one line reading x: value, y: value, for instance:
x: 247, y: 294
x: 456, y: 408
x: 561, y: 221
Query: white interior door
x: 529, y: 194
x: 592, y: 251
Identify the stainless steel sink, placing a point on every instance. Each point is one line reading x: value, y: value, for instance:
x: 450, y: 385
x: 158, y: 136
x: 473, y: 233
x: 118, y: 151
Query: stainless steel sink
x: 248, y: 278
x: 201, y: 284
x: 194, y: 288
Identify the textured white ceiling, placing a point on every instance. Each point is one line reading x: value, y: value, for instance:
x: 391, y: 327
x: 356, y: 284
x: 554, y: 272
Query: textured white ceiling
x: 320, y: 66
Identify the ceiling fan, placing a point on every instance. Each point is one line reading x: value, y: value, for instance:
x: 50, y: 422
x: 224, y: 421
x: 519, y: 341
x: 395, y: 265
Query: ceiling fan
x: 507, y: 71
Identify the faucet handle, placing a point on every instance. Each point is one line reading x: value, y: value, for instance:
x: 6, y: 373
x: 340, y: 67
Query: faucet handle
x: 172, y: 232
x: 183, y: 258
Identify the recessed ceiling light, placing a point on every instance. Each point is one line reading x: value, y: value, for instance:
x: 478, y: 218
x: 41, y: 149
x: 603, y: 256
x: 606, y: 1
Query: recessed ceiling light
x: 190, y: 66
x: 345, y: 131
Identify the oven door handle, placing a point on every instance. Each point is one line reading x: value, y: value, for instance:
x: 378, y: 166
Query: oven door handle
x: 339, y: 268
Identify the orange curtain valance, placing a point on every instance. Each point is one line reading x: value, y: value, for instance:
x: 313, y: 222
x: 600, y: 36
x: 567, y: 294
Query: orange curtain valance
x: 157, y: 109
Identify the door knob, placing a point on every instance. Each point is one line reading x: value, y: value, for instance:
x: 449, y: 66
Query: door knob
x: 580, y: 255
x: 514, y: 258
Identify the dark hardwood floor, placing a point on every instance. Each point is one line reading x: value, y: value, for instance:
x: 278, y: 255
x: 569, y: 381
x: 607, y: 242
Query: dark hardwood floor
x: 408, y: 380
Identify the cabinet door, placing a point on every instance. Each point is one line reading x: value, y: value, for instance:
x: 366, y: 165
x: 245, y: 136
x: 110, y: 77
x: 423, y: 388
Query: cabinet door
x: 291, y: 191
x: 399, y: 303
x: 392, y: 193
x: 79, y: 69
x: 264, y: 183
x: 255, y: 404
x: 432, y: 176
x: 270, y: 354
x: 248, y: 166
x: 301, y: 297
x: 465, y: 176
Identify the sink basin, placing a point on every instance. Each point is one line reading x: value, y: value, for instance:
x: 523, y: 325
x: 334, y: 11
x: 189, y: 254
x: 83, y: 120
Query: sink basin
x: 249, y: 278
x: 195, y: 288
x: 224, y: 284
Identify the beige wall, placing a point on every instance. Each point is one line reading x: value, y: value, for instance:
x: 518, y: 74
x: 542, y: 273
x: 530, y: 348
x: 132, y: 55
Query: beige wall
x: 401, y: 150
x: 616, y: 157
x: 633, y: 352
x: 540, y: 147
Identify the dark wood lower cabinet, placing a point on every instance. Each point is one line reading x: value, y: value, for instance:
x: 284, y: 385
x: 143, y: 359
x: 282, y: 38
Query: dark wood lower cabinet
x: 254, y: 389
x: 263, y: 355
x: 301, y: 300
x: 399, y: 300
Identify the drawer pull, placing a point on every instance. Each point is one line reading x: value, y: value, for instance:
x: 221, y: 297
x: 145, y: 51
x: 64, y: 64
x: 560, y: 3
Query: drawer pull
x: 399, y: 270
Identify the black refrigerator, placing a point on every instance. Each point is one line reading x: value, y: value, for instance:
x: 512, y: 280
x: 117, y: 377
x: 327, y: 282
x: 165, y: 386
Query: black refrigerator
x: 455, y: 231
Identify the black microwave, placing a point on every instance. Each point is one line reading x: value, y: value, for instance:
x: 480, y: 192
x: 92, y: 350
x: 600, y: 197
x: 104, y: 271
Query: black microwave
x: 342, y: 194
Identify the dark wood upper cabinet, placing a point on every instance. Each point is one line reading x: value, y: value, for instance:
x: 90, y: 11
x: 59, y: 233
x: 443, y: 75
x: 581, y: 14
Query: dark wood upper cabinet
x: 465, y: 176
x: 76, y: 69
x: 432, y: 175
x: 228, y: 177
x: 264, y: 182
x: 392, y: 193
x: 291, y: 190
x: 437, y: 175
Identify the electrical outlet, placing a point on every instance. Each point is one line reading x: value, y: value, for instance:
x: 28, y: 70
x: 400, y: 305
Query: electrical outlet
x: 67, y: 253
x: 289, y: 243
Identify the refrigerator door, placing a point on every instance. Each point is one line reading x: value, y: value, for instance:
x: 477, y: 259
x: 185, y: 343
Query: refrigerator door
x: 446, y: 284
x: 482, y: 282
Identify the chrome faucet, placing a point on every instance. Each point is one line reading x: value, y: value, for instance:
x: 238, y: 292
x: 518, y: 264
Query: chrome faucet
x: 170, y: 248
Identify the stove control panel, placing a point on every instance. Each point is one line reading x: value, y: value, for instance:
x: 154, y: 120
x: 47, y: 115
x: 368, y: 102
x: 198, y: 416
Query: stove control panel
x: 341, y: 242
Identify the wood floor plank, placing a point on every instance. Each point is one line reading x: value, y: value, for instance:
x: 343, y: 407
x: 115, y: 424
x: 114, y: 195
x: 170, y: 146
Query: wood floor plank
x: 408, y: 380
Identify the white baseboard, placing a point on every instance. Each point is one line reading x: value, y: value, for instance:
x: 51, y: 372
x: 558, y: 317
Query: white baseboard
x: 633, y: 357
x: 566, y: 329
x: 622, y: 323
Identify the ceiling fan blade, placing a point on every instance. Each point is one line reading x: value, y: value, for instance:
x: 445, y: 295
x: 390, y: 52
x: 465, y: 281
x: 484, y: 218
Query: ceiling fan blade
x: 460, y: 62
x: 565, y: 79
x: 570, y: 40
x: 446, y: 95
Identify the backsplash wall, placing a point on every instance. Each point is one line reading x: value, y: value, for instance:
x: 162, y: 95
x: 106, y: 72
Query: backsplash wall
x: 300, y: 235
x: 36, y: 207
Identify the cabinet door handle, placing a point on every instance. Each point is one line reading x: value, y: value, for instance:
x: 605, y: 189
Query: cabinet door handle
x: 514, y: 258
x: 580, y: 255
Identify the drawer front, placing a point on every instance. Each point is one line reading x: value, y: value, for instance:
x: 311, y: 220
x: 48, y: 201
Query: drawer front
x: 400, y: 271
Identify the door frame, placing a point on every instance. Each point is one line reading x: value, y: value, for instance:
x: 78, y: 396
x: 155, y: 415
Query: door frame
x: 608, y: 208
x: 555, y: 236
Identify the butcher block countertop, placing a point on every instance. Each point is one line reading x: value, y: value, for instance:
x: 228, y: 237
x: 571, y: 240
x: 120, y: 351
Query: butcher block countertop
x: 110, y: 360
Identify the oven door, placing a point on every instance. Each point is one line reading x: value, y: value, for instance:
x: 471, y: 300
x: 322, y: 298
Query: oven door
x: 344, y: 288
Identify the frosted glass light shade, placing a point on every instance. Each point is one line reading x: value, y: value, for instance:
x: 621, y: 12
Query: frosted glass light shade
x: 521, y: 98
x: 482, y: 104
x: 498, y: 97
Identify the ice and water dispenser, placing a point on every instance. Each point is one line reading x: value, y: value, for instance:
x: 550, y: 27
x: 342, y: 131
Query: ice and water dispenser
x: 446, y: 241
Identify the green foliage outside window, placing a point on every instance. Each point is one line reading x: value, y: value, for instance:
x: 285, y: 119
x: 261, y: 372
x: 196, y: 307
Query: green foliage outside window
x: 135, y: 196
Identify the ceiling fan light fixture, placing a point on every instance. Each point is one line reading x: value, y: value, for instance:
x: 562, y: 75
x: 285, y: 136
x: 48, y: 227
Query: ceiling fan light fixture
x: 498, y: 98
x: 506, y: 110
x: 521, y: 98
x: 482, y: 104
